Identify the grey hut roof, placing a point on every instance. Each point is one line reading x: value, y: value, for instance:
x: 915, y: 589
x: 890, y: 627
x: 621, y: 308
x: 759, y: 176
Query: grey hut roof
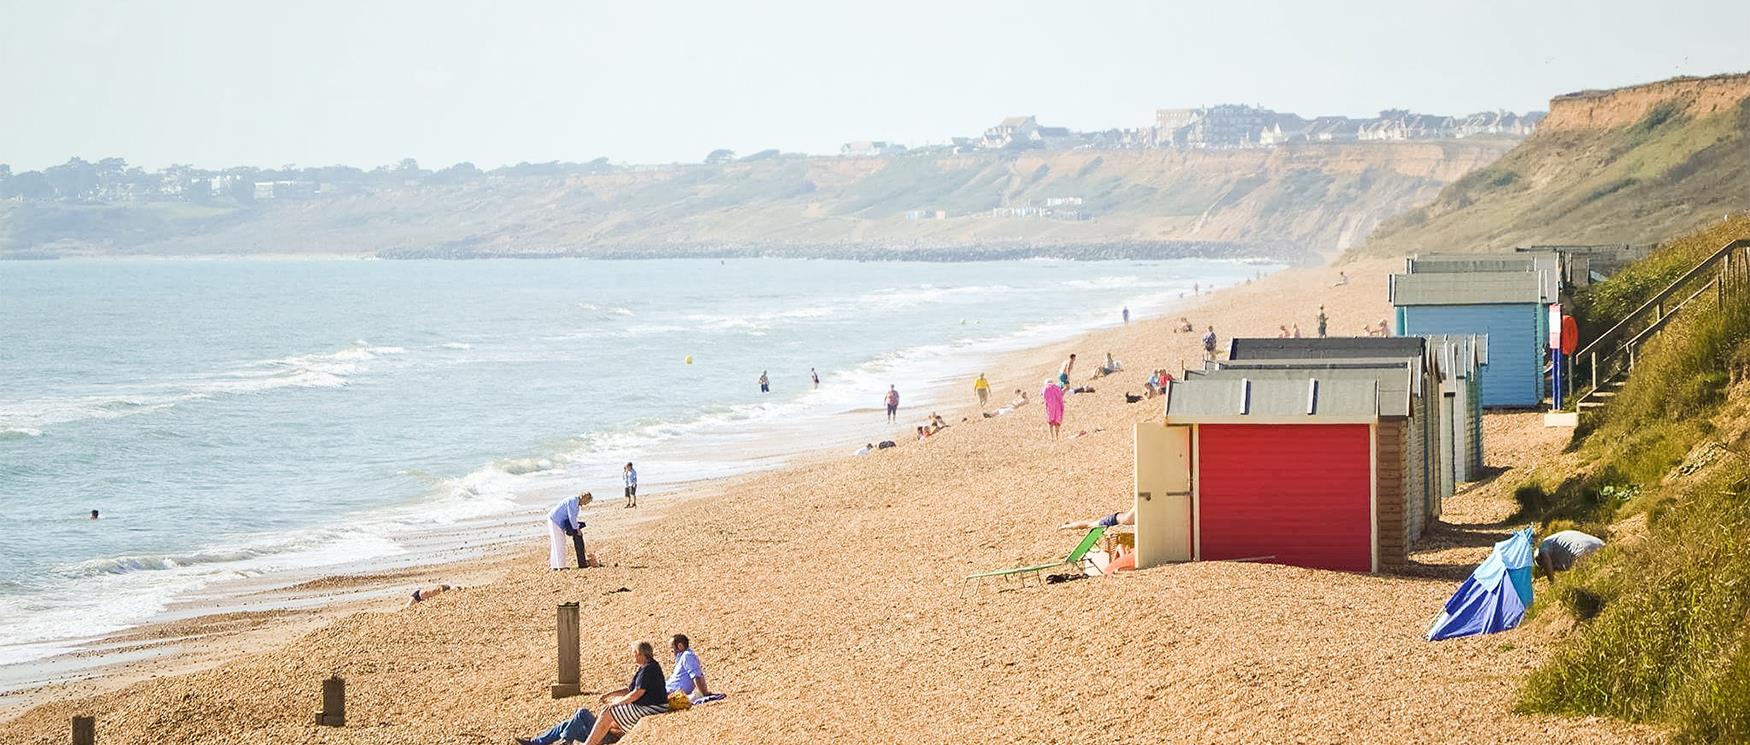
x: 1547, y: 262
x: 1518, y: 261
x: 1395, y: 381
x: 1331, y: 347
x: 1310, y: 400
x: 1475, y: 288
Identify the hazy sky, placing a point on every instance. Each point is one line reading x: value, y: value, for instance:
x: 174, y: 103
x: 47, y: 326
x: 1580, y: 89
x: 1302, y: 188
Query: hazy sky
x: 234, y: 82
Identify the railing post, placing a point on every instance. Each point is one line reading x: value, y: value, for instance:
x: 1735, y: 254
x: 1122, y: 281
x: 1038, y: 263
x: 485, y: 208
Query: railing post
x: 1594, y: 365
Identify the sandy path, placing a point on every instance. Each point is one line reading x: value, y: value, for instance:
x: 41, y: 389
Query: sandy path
x: 825, y: 600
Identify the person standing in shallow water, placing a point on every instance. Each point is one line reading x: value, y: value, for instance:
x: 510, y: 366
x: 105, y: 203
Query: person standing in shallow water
x: 765, y: 383
x: 1126, y: 313
x: 892, y: 402
x: 814, y: 376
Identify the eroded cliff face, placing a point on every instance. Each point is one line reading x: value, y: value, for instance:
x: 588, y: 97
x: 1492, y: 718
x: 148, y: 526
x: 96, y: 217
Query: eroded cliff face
x: 1621, y: 107
x: 1630, y: 165
x: 1304, y: 200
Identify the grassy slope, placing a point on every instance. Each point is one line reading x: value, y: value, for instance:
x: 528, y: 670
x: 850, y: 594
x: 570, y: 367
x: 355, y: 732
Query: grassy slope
x: 1663, y: 175
x: 1319, y: 197
x: 1663, y: 613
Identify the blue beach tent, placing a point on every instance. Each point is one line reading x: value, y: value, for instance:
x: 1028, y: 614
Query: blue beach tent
x: 1495, y: 596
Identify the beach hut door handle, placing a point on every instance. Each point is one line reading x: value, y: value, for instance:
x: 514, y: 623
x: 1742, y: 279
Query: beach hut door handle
x: 1145, y: 496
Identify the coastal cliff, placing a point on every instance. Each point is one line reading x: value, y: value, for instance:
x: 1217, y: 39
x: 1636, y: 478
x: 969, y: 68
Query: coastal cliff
x: 1628, y: 165
x: 1288, y: 203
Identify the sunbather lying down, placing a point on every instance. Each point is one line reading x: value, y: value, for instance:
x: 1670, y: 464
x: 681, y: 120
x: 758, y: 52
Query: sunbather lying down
x: 1127, y: 517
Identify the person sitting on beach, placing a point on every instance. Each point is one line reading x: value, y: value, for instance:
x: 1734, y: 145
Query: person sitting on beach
x: 1282, y: 332
x: 645, y: 695
x: 937, y: 423
x: 566, y: 519
x: 688, y: 677
x: 1111, y: 365
x: 923, y: 434
x: 1127, y: 517
x: 885, y: 444
x: 426, y: 593
x: 866, y: 449
x: 1184, y: 326
x: 1296, y: 334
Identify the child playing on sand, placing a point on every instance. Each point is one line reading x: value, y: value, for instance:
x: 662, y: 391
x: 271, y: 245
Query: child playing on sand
x: 566, y: 519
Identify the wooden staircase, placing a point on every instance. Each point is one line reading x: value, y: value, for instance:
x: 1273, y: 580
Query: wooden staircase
x: 1599, y: 369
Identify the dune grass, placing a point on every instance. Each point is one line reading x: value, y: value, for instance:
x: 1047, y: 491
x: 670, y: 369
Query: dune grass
x: 1663, y: 629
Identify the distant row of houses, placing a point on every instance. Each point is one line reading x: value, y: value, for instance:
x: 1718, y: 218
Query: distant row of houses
x: 1227, y: 126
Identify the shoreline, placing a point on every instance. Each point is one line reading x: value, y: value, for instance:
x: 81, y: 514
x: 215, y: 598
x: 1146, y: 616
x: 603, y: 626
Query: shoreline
x: 185, y: 636
x: 839, y: 576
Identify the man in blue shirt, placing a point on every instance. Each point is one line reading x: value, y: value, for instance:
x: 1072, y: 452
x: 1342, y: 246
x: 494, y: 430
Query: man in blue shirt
x: 631, y: 486
x: 566, y: 519
x: 688, y: 676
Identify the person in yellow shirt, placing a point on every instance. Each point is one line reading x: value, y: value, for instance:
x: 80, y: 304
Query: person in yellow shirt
x: 982, y: 388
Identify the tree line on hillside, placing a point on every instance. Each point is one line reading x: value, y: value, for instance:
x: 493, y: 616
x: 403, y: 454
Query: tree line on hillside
x: 79, y: 181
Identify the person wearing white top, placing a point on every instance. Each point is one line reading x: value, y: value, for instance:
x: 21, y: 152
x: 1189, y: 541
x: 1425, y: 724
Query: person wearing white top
x: 566, y: 519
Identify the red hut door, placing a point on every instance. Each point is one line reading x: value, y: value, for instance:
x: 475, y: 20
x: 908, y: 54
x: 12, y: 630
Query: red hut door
x: 1297, y: 494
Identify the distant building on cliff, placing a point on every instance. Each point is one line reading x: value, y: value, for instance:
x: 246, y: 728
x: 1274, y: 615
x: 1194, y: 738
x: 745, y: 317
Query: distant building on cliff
x: 1220, y: 126
x: 1013, y: 132
x: 871, y: 148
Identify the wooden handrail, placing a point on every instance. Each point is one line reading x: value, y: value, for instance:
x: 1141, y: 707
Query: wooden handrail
x: 1699, y: 268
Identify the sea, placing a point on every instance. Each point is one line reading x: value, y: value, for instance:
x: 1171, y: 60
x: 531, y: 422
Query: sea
x: 260, y: 418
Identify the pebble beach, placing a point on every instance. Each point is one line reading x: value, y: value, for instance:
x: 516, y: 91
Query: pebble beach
x: 826, y: 600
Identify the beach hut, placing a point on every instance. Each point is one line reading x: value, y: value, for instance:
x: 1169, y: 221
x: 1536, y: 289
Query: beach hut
x: 1459, y: 363
x: 1429, y: 425
x: 1509, y: 307
x: 1307, y: 469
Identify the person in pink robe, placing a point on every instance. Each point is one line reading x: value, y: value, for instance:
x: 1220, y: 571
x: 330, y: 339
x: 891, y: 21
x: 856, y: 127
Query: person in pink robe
x: 1052, y: 394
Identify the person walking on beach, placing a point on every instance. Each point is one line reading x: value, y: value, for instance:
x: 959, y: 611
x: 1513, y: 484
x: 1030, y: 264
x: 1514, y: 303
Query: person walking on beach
x: 814, y: 376
x: 1322, y: 321
x: 1063, y: 372
x: 1052, y: 395
x: 631, y: 476
x: 765, y: 383
x: 1126, y: 315
x: 566, y: 519
x: 892, y: 402
x: 982, y: 388
x: 1209, y: 344
x: 1282, y: 332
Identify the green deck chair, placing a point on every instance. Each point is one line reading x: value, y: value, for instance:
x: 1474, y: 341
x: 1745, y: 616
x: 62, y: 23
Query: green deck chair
x: 1075, y: 558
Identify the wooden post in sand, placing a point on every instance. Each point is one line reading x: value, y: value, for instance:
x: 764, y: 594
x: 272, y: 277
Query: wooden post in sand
x: 333, y: 713
x: 84, y: 730
x: 568, y: 652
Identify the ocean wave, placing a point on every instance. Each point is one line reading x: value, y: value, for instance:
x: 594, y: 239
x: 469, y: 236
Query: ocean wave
x: 456, y: 345
x: 327, y: 370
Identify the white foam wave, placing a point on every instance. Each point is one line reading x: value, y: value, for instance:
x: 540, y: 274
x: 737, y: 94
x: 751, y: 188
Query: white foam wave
x: 456, y: 345
x: 329, y: 370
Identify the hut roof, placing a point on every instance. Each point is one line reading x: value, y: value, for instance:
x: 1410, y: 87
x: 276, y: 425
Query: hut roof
x: 1309, y: 400
x: 1475, y: 288
x: 1396, y: 383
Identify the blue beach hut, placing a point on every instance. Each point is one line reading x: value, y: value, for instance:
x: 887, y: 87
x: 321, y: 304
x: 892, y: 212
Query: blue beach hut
x: 1509, y: 307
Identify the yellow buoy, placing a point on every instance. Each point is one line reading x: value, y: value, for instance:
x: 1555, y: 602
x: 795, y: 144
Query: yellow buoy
x: 689, y: 359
